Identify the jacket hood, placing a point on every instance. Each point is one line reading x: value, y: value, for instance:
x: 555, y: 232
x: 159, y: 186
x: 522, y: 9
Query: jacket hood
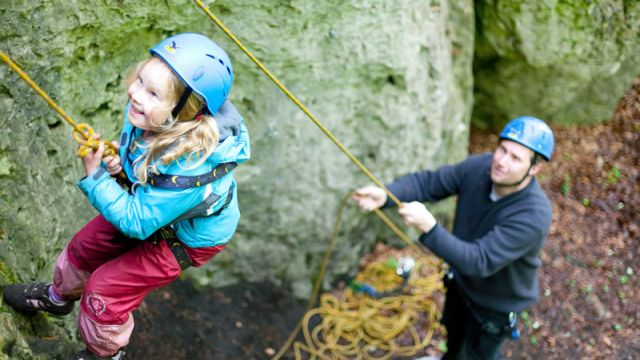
x: 229, y: 120
x: 233, y: 144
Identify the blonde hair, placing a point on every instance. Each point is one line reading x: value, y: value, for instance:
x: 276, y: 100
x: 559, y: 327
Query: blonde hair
x: 196, y: 139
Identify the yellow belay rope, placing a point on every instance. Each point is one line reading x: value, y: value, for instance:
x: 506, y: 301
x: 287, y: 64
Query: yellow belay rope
x: 83, y: 134
x: 339, y: 350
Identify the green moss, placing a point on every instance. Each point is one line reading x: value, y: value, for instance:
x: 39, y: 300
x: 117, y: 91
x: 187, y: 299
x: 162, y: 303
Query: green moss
x: 7, y: 276
x: 564, y: 61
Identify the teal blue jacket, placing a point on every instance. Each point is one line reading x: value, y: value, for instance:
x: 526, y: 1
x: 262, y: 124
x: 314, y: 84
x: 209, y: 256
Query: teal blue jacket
x: 138, y: 213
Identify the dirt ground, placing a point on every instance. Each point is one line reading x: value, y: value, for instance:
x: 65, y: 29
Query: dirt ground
x: 589, y: 306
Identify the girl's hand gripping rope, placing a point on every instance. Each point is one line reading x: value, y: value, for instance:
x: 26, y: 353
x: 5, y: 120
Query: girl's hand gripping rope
x: 92, y: 151
x: 112, y: 162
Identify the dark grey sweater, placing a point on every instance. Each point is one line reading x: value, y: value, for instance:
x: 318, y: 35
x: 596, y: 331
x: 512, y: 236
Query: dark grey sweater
x: 494, y: 249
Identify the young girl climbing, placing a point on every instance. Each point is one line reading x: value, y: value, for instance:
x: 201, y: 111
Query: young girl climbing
x: 180, y: 142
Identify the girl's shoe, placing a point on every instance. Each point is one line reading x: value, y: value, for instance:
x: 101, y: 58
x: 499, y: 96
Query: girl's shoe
x: 34, y: 297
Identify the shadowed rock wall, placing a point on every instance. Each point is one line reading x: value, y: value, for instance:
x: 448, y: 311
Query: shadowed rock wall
x: 565, y: 61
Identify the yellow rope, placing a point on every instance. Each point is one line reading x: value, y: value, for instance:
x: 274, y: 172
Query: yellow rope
x: 337, y: 349
x: 357, y: 326
x: 296, y: 101
x: 370, y: 329
x: 82, y: 134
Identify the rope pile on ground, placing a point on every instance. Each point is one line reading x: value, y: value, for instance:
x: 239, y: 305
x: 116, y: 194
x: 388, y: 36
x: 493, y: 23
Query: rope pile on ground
x: 370, y: 324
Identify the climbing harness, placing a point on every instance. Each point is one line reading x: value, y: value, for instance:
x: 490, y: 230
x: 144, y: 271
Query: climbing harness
x: 169, y: 235
x: 83, y: 134
x: 168, y: 181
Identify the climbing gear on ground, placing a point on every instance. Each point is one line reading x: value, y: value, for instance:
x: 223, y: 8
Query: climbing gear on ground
x: 402, y: 266
x: 168, y: 181
x: 532, y: 133
x: 177, y: 248
x: 367, y: 327
x: 340, y: 316
x: 201, y: 64
x: 88, y: 355
x: 33, y: 297
x: 513, y: 325
x: 82, y: 134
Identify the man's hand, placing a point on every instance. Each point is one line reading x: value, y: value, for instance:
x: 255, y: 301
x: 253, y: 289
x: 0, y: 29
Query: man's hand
x: 416, y: 214
x: 369, y: 197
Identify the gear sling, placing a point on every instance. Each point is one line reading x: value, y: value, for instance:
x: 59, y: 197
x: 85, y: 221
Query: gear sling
x: 204, y: 209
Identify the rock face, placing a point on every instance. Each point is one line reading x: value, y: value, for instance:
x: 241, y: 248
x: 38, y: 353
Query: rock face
x: 392, y: 80
x: 563, y: 61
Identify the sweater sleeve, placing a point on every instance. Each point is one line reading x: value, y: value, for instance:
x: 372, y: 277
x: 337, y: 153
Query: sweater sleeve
x: 429, y: 185
x: 482, y: 257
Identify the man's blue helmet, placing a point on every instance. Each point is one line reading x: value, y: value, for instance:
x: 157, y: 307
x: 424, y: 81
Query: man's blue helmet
x: 201, y: 64
x: 532, y: 133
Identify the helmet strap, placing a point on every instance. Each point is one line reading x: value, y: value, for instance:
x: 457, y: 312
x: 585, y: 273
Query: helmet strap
x: 183, y: 100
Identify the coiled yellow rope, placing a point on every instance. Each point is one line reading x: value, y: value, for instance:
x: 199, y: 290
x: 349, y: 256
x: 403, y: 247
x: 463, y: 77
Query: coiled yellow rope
x: 356, y: 324
x: 83, y: 134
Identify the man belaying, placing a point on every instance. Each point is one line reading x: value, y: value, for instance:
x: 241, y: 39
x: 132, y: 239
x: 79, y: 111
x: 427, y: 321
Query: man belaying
x: 502, y: 219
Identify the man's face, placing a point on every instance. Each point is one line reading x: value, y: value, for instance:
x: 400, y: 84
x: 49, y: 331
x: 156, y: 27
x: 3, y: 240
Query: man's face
x: 510, y: 163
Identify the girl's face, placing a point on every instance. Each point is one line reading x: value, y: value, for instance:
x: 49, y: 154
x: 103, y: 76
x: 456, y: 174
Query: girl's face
x: 149, y: 95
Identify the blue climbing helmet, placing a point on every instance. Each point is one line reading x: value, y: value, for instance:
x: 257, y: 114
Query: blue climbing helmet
x: 201, y: 64
x: 532, y: 133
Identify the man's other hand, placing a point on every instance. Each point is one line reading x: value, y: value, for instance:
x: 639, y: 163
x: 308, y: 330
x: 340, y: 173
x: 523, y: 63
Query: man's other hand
x: 416, y: 214
x: 369, y: 197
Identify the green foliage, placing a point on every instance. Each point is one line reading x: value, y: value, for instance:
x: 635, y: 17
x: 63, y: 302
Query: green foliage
x: 586, y: 289
x: 613, y: 176
x: 7, y: 276
x: 565, y: 187
x: 442, y: 346
x: 624, y: 279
